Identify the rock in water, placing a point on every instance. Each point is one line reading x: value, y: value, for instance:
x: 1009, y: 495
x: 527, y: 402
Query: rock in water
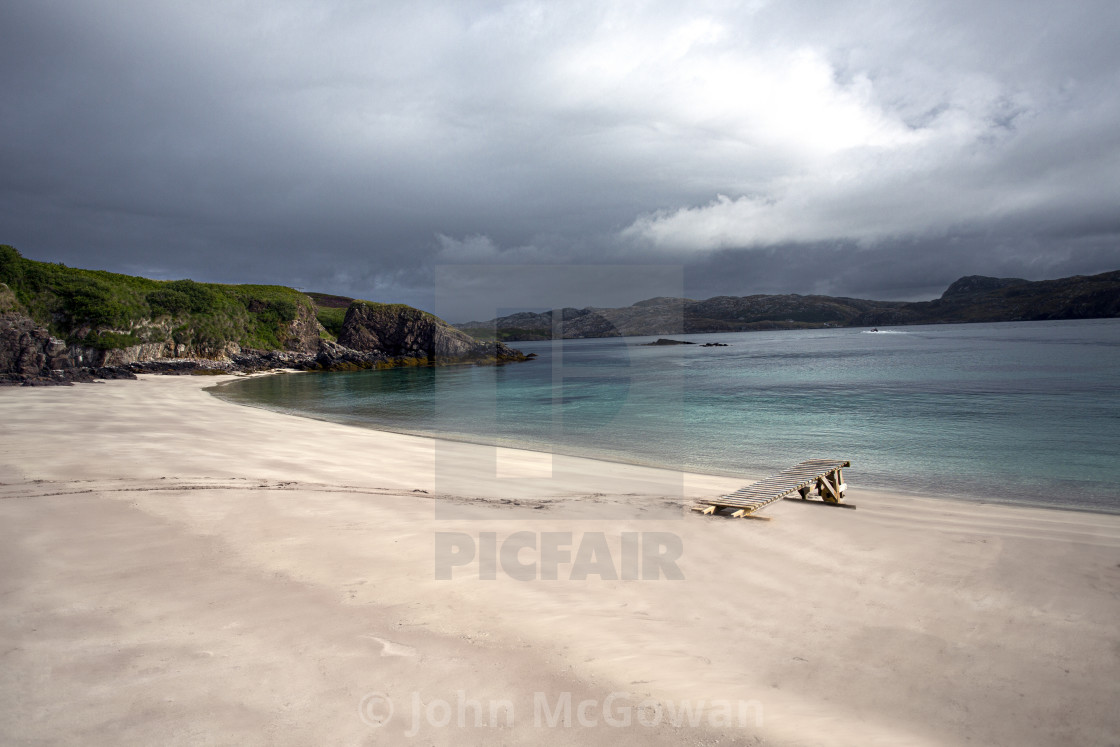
x: 667, y: 341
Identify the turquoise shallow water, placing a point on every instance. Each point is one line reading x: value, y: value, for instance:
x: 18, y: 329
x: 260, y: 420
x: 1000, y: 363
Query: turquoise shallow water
x: 1018, y: 412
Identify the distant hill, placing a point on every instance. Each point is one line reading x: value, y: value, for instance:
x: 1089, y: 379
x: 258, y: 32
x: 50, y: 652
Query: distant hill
x: 971, y: 299
x: 972, y: 285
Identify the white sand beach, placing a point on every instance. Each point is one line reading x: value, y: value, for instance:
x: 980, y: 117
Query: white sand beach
x: 176, y: 569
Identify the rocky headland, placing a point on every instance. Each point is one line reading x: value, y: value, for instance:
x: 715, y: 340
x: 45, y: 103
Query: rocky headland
x: 62, y: 325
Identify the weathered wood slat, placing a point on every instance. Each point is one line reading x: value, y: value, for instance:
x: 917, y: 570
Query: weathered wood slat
x: 825, y: 474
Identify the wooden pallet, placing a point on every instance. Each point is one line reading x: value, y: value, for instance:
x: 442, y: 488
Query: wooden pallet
x: 824, y: 475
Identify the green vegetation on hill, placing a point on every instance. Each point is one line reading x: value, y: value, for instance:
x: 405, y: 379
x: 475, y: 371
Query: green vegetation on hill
x: 330, y: 310
x: 396, y: 308
x: 7, y: 299
x: 331, y: 317
x: 107, y: 310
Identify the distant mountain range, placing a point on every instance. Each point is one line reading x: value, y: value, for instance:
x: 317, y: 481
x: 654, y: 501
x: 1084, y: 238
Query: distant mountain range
x: 971, y: 299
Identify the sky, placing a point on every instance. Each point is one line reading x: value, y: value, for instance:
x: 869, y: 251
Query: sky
x: 564, y: 153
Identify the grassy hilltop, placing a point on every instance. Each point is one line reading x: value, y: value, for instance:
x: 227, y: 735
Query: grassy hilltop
x: 106, y: 310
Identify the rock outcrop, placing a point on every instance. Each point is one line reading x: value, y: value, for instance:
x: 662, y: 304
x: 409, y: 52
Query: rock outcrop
x: 303, y: 331
x: 404, y: 332
x: 25, y: 347
x: 387, y: 336
x: 29, y: 355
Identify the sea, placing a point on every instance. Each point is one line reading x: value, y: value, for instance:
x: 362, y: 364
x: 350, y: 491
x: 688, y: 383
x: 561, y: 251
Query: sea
x: 1016, y: 412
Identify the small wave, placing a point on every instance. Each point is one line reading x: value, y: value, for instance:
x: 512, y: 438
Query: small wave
x: 882, y: 332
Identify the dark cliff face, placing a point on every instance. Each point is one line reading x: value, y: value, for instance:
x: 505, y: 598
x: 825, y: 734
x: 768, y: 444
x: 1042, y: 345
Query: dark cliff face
x: 405, y: 332
x: 30, y: 355
x: 25, y: 347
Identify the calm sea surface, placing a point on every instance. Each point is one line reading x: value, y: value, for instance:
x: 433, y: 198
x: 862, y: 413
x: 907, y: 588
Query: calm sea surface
x: 1023, y: 412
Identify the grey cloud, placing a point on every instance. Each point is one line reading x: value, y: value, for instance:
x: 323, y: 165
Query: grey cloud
x: 354, y: 147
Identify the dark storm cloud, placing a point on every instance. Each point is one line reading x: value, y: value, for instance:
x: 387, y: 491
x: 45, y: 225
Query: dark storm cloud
x: 356, y: 147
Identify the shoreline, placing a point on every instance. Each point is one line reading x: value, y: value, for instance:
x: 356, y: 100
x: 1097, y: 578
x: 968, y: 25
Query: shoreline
x: 747, y: 476
x: 177, y: 568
